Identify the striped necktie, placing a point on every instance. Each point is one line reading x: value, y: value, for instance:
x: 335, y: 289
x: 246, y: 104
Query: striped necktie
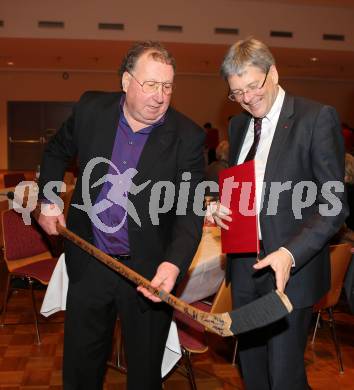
x: 257, y: 135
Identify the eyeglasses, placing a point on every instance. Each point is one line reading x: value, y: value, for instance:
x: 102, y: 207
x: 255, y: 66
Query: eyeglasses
x: 151, y: 86
x: 237, y: 95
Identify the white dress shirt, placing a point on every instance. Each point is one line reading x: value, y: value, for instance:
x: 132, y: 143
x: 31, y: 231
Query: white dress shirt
x: 269, y: 124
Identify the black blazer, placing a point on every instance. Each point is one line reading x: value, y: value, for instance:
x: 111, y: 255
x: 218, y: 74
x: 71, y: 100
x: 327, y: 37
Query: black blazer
x: 171, y: 149
x: 307, y: 146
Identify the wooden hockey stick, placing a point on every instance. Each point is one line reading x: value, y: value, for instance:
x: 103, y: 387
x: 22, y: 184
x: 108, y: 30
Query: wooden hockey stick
x: 261, y: 312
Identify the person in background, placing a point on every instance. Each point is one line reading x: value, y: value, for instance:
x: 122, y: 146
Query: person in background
x: 146, y: 143
x: 211, y: 141
x: 293, y: 141
x: 349, y: 183
x: 222, y: 162
x: 348, y: 134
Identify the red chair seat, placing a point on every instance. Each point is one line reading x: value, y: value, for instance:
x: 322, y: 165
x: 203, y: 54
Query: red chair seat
x: 192, y: 334
x: 26, y: 254
x: 41, y: 271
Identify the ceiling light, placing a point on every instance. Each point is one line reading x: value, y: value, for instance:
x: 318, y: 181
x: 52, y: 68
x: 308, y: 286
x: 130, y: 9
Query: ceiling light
x: 10, y: 63
x: 313, y: 59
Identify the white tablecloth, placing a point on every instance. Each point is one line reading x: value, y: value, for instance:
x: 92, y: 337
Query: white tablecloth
x: 204, y: 277
x: 55, y: 296
x: 207, y: 269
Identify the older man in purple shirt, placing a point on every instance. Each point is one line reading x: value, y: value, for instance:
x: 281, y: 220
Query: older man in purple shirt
x: 129, y: 146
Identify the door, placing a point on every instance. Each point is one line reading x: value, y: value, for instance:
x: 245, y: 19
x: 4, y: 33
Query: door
x: 30, y: 126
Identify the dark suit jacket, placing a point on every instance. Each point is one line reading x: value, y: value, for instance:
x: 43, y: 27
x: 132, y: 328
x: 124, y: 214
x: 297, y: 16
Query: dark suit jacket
x: 172, y: 148
x: 307, y: 146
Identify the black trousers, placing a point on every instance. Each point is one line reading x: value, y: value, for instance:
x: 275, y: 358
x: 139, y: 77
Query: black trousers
x: 92, y: 307
x: 271, y: 357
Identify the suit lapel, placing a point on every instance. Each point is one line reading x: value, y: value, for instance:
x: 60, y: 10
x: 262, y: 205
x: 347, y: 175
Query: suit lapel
x: 238, y: 131
x: 282, y: 131
x: 106, y: 129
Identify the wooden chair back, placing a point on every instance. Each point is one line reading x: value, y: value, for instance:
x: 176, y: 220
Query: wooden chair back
x: 4, y: 205
x: 340, y: 256
x: 222, y: 301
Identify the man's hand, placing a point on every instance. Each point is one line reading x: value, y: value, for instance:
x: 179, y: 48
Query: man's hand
x: 217, y: 213
x: 49, y: 217
x: 165, y: 279
x: 281, y: 263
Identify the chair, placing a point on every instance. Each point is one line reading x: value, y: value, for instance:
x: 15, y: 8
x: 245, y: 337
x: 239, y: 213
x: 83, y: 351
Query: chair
x: 4, y: 205
x: 27, y: 256
x: 117, y: 359
x: 340, y: 256
x: 12, y: 179
x: 192, y: 335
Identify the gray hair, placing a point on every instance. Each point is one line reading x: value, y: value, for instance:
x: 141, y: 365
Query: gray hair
x: 157, y: 51
x: 244, y: 53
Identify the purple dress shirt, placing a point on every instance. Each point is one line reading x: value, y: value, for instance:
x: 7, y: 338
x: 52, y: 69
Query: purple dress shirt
x: 127, y: 149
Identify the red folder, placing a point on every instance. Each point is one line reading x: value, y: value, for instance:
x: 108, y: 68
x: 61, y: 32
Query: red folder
x: 238, y: 193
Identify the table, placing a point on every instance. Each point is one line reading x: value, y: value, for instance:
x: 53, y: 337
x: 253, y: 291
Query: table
x: 23, y: 195
x: 202, y: 280
x: 26, y: 195
x: 23, y: 199
x: 207, y: 269
x: 3, y: 195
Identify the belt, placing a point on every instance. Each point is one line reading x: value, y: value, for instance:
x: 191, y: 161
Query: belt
x: 121, y: 257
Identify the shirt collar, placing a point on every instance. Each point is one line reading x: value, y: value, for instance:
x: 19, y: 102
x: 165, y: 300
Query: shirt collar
x: 274, y: 112
x: 145, y: 130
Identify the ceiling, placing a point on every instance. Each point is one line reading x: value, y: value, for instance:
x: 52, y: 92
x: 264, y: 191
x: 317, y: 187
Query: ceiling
x: 105, y: 56
x: 320, y: 3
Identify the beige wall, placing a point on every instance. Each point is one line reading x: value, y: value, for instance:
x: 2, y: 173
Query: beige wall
x: 307, y: 20
x: 202, y: 97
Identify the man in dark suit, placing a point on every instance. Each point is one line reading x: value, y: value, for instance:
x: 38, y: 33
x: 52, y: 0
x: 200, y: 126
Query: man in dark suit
x: 299, y: 156
x: 135, y: 154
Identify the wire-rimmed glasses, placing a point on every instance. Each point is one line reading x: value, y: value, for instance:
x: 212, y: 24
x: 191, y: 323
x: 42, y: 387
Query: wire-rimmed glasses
x: 151, y: 86
x: 237, y: 95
